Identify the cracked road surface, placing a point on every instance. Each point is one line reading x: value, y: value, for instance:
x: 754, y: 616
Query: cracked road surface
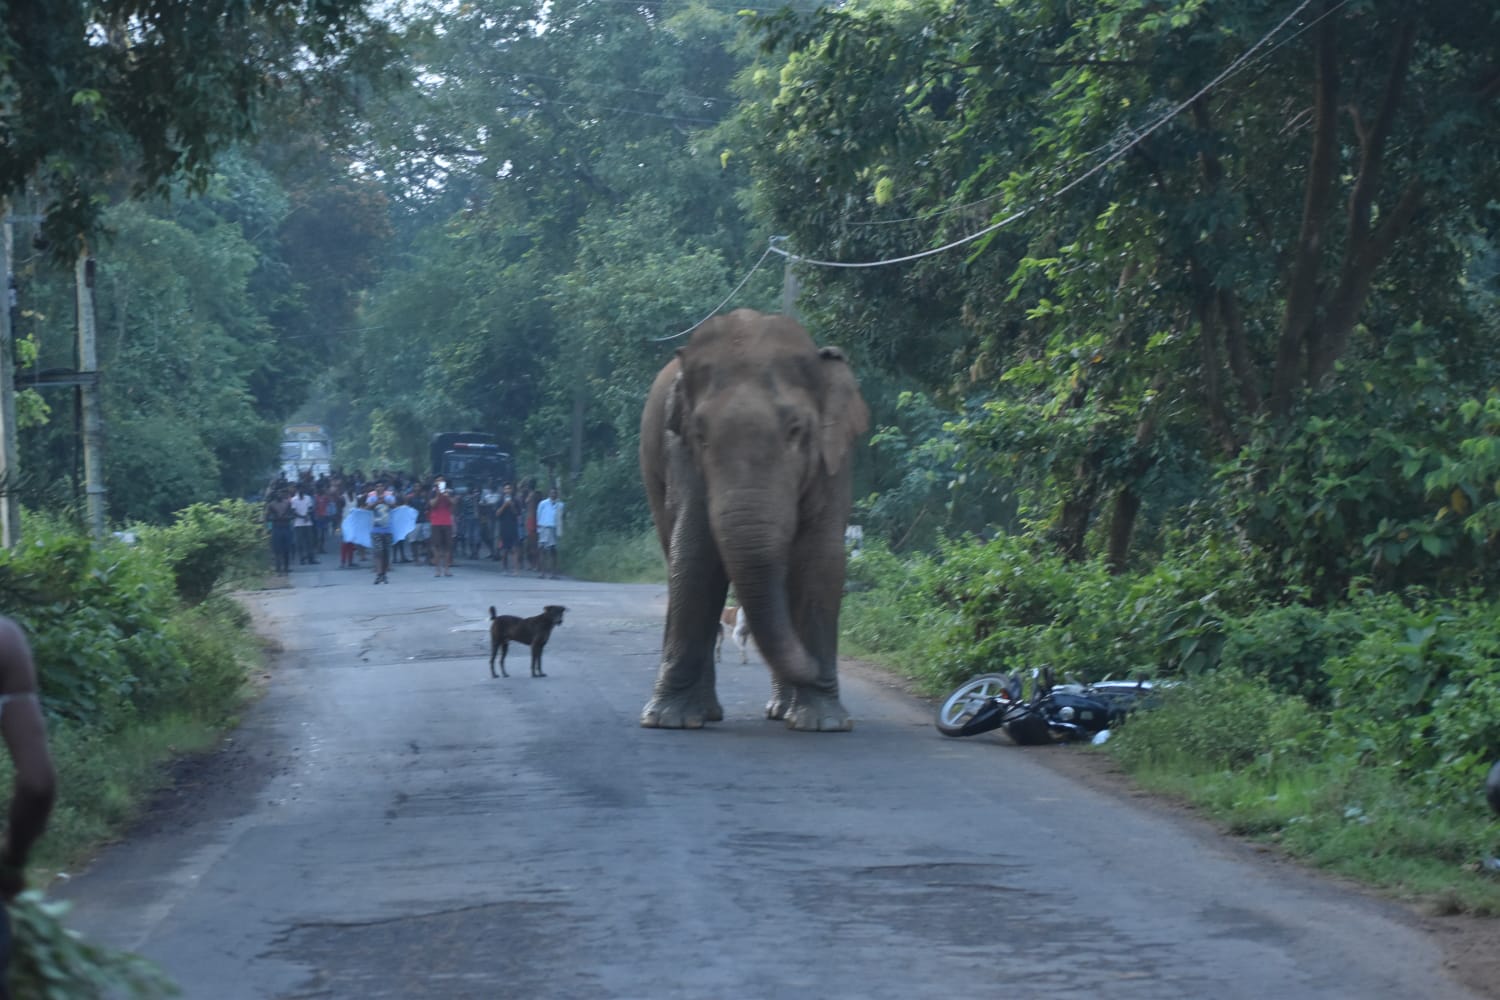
x: 390, y: 822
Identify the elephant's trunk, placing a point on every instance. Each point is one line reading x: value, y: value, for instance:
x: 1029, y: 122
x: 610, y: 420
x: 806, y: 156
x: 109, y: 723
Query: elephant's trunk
x: 761, y: 588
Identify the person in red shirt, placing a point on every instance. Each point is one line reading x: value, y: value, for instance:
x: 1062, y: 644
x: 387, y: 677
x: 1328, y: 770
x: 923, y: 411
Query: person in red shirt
x: 325, y: 514
x: 440, y: 516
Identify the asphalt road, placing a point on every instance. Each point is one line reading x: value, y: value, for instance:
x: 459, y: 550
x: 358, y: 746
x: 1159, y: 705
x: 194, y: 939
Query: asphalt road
x: 391, y: 822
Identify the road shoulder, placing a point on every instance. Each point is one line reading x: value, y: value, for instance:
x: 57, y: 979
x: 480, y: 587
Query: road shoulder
x: 1467, y: 943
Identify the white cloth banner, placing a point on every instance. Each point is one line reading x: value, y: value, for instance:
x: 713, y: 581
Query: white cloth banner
x: 357, y: 524
x: 403, y: 520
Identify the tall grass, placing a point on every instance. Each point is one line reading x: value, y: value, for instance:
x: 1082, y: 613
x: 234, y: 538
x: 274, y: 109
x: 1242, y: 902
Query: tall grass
x: 630, y: 558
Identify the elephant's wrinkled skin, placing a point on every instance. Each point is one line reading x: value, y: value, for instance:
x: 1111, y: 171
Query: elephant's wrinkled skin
x: 746, y: 445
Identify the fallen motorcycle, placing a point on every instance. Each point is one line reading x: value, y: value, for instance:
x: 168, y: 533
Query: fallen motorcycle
x: 1051, y: 713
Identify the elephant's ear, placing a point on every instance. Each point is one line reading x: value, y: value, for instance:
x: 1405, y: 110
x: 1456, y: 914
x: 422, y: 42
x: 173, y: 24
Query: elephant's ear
x: 845, y: 416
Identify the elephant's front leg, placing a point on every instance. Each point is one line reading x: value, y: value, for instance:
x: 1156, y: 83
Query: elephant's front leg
x: 685, y: 696
x: 816, y: 594
x: 809, y: 708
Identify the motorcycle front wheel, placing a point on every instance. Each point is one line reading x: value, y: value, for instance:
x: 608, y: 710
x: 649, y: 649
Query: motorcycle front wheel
x: 966, y: 700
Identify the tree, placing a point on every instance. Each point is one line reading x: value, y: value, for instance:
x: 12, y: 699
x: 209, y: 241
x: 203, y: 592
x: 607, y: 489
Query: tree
x: 547, y: 159
x: 101, y: 96
x: 1175, y: 259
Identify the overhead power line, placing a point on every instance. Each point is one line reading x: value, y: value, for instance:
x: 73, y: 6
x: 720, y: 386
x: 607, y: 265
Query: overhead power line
x: 712, y: 312
x: 979, y: 202
x: 1140, y: 137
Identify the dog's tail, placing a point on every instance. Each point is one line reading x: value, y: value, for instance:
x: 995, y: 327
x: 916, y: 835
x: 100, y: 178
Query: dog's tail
x: 492, y: 611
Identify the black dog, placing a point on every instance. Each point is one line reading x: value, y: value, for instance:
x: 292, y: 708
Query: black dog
x: 533, y: 632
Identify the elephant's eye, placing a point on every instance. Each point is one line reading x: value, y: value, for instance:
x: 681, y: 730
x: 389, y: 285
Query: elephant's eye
x: 794, y: 430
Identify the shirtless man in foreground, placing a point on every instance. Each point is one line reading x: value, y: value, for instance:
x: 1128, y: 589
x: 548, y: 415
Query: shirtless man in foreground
x: 24, y: 730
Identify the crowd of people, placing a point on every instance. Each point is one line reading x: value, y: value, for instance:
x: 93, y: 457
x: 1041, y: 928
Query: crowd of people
x: 519, y: 528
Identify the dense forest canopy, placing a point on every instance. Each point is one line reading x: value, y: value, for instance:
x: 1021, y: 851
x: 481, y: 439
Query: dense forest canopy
x: 1225, y: 265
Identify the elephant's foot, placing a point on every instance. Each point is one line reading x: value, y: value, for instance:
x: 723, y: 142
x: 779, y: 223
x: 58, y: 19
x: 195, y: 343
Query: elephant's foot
x: 684, y: 710
x: 809, y: 710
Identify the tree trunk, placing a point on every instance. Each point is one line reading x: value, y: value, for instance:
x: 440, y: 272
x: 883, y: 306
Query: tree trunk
x: 1122, y: 527
x: 1301, y: 308
x: 1073, y: 522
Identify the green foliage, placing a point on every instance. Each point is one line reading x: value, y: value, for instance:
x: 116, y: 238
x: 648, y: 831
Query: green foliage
x: 885, y: 611
x: 1220, y: 721
x: 1418, y: 694
x: 186, y: 342
x: 1014, y: 603
x: 95, y: 111
x: 608, y: 499
x: 129, y: 677
x: 96, y: 615
x: 1393, y: 478
x: 923, y: 486
x: 51, y: 962
x: 207, y: 543
x: 216, y: 644
x: 584, y: 219
x: 1128, y: 321
x: 105, y: 621
x: 616, y: 558
x: 1288, y: 647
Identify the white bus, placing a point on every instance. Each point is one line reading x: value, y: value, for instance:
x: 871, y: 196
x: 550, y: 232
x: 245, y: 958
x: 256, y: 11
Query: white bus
x: 306, y: 448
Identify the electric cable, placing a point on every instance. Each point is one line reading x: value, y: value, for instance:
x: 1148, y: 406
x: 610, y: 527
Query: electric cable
x: 714, y: 311
x: 1140, y: 137
x: 980, y: 202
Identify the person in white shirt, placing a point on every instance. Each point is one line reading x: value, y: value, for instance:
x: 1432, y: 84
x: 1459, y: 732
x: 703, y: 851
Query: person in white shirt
x: 549, y: 519
x: 302, y: 525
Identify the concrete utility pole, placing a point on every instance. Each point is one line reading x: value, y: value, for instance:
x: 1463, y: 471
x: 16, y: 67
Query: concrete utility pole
x: 791, y: 285
x: 10, y: 507
x: 93, y: 418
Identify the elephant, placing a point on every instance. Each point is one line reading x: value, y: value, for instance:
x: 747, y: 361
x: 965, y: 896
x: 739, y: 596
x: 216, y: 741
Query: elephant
x: 747, y: 442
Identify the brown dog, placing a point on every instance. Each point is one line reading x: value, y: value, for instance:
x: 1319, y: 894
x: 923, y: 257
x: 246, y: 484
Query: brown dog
x: 533, y: 632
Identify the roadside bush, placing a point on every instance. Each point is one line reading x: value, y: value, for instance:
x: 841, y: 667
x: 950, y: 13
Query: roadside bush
x: 215, y: 644
x: 1163, y: 622
x: 1389, y: 475
x: 96, y: 615
x: 1289, y: 647
x: 1420, y: 693
x: 1011, y: 603
x: 1219, y: 721
x: 607, y: 500
x: 611, y: 558
x: 129, y: 675
x: 608, y: 535
x: 110, y: 635
x: 886, y: 611
x: 207, y: 544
